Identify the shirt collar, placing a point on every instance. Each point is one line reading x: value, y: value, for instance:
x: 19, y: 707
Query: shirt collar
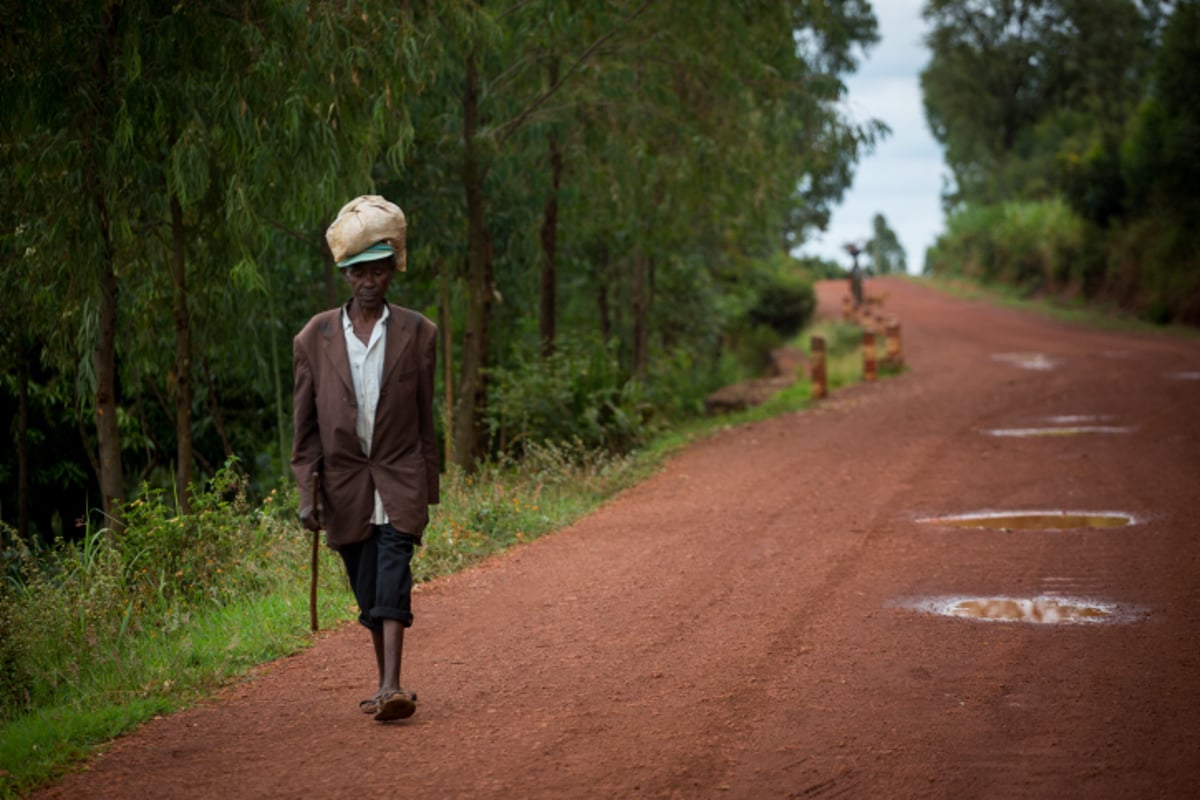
x: 347, y: 325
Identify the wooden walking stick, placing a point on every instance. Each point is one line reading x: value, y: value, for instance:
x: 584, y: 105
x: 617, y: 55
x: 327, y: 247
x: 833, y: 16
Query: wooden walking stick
x: 316, y: 545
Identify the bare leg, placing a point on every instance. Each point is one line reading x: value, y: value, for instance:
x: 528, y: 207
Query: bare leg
x: 393, y: 651
x: 371, y: 706
x: 377, y: 639
x: 395, y: 702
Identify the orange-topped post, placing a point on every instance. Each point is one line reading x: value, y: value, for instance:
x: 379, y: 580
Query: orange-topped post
x: 817, y: 370
x: 893, y: 357
x: 868, y: 349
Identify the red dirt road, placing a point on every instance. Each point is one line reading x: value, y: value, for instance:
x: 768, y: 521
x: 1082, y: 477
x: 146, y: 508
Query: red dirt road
x: 736, y: 626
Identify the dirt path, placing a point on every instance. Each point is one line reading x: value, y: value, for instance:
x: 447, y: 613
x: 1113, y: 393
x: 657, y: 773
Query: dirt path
x: 737, y: 626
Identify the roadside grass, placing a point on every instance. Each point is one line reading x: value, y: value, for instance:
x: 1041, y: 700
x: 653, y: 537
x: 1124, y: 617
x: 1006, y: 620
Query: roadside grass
x: 1071, y: 310
x: 843, y: 366
x: 98, y: 637
x: 154, y: 676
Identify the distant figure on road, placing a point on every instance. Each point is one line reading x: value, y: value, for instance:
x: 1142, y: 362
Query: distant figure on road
x: 856, y: 287
x: 364, y: 428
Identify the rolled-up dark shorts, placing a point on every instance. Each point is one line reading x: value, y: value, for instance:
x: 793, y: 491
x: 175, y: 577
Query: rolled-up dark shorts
x: 380, y: 573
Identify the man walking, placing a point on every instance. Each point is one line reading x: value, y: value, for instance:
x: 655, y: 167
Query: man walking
x: 363, y: 408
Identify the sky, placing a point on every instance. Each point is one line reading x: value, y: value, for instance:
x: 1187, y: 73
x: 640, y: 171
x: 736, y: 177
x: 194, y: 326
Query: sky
x: 902, y: 177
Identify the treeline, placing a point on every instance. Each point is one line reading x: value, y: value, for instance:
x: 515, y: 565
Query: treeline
x: 1072, y: 128
x: 601, y: 196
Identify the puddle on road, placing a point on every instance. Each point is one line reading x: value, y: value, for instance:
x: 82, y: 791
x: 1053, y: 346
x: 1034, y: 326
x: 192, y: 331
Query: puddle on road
x: 1034, y: 361
x: 1061, y: 425
x: 1078, y: 419
x: 1056, y: 430
x: 1041, y: 609
x: 1034, y: 520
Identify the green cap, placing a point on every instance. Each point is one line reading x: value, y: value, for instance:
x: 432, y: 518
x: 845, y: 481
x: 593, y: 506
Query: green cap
x: 372, y: 253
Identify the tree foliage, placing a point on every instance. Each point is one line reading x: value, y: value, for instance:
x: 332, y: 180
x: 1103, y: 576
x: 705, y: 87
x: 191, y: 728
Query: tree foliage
x: 602, y: 172
x: 1087, y: 102
x: 1162, y: 152
x: 884, y: 250
x: 1010, y: 82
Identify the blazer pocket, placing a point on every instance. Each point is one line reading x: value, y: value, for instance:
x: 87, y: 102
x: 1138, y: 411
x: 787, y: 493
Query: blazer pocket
x: 407, y: 375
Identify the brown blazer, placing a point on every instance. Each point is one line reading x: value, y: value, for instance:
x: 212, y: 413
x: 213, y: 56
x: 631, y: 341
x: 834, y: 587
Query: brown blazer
x: 403, y: 464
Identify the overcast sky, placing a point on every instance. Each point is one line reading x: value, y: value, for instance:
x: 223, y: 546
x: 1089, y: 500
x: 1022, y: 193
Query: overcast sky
x: 902, y: 179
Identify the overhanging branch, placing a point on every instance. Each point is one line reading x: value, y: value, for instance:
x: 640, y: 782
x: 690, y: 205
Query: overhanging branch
x: 514, y: 124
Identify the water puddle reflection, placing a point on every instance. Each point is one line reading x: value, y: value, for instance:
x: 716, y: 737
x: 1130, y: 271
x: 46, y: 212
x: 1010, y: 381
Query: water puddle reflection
x: 1034, y: 361
x: 1056, y: 430
x: 1041, y: 609
x: 1034, y: 520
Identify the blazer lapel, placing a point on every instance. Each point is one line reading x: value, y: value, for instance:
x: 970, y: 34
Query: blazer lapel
x: 334, y: 347
x: 399, y: 339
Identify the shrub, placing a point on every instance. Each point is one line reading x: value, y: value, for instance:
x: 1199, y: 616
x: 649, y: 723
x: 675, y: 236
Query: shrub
x: 1154, y: 270
x: 678, y: 380
x: 56, y: 616
x: 785, y: 304
x: 577, y: 393
x: 67, y: 610
x: 1032, y: 245
x: 781, y: 303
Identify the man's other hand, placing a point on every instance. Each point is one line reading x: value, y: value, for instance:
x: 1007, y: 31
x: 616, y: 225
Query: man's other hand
x: 309, y: 519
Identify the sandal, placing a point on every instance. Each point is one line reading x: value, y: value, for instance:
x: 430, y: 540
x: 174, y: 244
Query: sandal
x: 370, y: 705
x: 396, y: 704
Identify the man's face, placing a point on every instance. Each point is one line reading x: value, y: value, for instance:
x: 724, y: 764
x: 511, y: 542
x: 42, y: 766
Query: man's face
x: 369, y: 282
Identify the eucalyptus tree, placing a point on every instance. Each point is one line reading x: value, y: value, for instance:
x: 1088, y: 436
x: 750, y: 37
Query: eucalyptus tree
x: 288, y: 111
x: 97, y: 93
x: 1031, y: 97
x: 314, y: 108
x: 646, y: 136
x: 17, y: 341
x: 997, y: 67
x: 44, y: 355
x: 67, y: 141
x: 1162, y: 152
x: 718, y: 133
x: 884, y: 248
x: 161, y: 145
x: 831, y: 38
x: 478, y: 86
x: 176, y: 61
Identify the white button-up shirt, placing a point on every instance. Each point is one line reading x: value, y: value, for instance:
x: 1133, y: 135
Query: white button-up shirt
x: 366, y: 372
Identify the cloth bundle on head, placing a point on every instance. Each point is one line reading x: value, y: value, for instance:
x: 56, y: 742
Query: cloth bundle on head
x: 362, y: 225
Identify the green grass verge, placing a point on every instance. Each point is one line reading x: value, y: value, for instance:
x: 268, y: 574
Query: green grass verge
x: 843, y: 366
x: 1076, y: 310
x: 163, y: 652
x: 112, y: 692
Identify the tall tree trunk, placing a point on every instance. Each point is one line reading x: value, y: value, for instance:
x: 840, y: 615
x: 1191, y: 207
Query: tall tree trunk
x: 22, y: 438
x: 472, y: 391
x: 104, y: 356
x: 618, y: 302
x: 183, y: 361
x: 104, y: 352
x: 641, y: 308
x: 331, y: 270
x: 283, y: 426
x: 602, y: 302
x: 548, y: 308
x: 214, y: 406
x: 444, y: 331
